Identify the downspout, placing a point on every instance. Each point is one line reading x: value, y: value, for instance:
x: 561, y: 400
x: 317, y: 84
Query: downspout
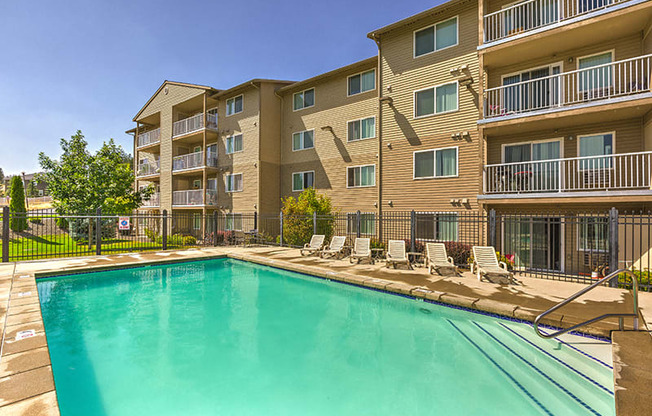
x: 380, y: 127
x: 280, y: 150
x: 260, y: 140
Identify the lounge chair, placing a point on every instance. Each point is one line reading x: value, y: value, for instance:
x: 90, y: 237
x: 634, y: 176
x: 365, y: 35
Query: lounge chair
x: 335, y: 249
x: 315, y: 245
x: 361, y: 251
x: 486, y: 264
x: 396, y: 254
x: 437, y: 260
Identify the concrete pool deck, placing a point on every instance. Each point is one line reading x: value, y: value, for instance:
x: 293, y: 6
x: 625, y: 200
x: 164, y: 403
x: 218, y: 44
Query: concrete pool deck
x: 27, y: 384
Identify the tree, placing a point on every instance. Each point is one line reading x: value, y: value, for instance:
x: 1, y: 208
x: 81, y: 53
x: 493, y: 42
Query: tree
x: 81, y: 182
x: 31, y: 189
x: 17, y: 208
x: 2, y: 175
x: 298, y: 214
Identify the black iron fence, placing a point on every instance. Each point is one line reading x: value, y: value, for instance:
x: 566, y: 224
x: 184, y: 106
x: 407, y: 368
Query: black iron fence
x: 571, y: 247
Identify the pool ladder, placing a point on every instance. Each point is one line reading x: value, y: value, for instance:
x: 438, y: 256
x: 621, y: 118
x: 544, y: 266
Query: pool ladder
x: 621, y: 316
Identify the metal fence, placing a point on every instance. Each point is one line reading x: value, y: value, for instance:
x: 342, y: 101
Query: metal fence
x: 571, y: 247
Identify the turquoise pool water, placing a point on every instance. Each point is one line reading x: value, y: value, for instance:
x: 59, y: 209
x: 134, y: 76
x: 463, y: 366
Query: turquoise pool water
x: 225, y: 337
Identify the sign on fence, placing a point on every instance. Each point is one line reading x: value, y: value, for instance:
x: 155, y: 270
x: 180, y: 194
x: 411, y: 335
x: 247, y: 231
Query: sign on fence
x: 123, y: 223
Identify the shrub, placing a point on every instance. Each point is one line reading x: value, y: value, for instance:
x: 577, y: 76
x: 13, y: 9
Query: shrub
x: 17, y: 207
x: 460, y: 252
x: 152, y: 235
x: 35, y: 220
x: 419, y: 247
x: 189, y: 240
x: 79, y: 228
x: 377, y: 244
x: 298, y: 217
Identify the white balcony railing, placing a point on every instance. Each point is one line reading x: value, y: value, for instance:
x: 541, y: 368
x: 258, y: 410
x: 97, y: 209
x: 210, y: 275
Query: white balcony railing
x: 194, y: 197
x: 153, y: 201
x: 533, y: 14
x: 194, y: 123
x: 149, y: 137
x: 194, y: 160
x: 601, y: 82
x: 625, y: 171
x: 149, y: 168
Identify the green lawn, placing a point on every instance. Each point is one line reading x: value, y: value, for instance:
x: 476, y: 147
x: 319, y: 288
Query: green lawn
x: 32, y: 248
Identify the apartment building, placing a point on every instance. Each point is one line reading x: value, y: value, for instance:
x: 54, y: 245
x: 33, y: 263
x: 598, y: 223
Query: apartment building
x: 566, y: 120
x: 329, y: 136
x: 198, y: 165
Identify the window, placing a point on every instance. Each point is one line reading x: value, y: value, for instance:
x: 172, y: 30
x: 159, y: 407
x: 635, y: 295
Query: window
x: 436, y: 100
x: 362, y: 129
x: 196, y: 221
x: 437, y: 163
x: 363, y: 82
x: 234, y: 182
x: 302, y: 180
x: 196, y: 184
x: 436, y: 37
x: 233, y: 222
x: 303, y: 140
x: 436, y: 226
x: 234, y: 105
x: 196, y: 149
x: 234, y: 144
x: 596, y: 145
x: 595, y: 82
x: 367, y: 223
x: 304, y: 99
x: 593, y: 234
x: 360, y: 176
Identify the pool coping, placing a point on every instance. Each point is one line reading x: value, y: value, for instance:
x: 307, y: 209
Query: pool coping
x: 33, y: 387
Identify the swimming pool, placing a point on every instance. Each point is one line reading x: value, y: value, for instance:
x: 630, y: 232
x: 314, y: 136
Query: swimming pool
x: 228, y: 337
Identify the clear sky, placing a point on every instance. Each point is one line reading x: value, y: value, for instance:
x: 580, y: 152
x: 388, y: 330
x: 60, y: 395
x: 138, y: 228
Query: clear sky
x: 90, y: 65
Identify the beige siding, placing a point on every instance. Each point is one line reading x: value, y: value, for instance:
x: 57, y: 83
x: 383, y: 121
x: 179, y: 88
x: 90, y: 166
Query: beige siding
x: 333, y: 152
x: 403, y: 134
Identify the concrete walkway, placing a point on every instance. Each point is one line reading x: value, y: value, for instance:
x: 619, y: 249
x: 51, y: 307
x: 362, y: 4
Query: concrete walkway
x: 27, y: 385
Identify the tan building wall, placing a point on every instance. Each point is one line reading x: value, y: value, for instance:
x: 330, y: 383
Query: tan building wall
x: 333, y: 153
x: 403, y: 134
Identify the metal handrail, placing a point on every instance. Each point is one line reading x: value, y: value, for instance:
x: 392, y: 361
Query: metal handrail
x: 600, y: 282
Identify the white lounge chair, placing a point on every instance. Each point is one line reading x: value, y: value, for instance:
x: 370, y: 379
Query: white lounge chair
x: 315, y: 245
x: 335, y: 249
x: 486, y: 264
x: 396, y: 254
x: 361, y: 251
x: 437, y: 260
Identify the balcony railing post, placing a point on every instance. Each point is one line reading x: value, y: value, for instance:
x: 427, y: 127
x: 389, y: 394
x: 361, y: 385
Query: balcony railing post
x: 164, y: 231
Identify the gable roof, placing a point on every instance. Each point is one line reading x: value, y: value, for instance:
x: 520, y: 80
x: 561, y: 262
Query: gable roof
x: 166, y: 82
x: 246, y: 84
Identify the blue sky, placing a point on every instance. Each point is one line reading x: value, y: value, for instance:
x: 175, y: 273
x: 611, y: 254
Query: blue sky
x: 91, y: 65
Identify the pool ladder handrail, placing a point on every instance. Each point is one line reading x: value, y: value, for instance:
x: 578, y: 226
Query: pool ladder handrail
x: 600, y: 282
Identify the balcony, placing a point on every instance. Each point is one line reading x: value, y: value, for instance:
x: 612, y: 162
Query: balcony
x: 617, y: 80
x: 193, y: 124
x: 531, y: 15
x: 194, y: 161
x: 618, y: 172
x: 149, y: 168
x: 153, y: 201
x: 149, y: 137
x: 194, y: 197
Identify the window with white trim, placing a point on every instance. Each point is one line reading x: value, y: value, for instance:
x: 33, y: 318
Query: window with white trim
x: 436, y: 100
x: 596, y: 145
x: 593, y: 234
x: 364, y: 128
x: 367, y: 223
x: 234, y: 144
x: 436, y: 37
x: 234, y: 105
x: 302, y: 180
x: 234, y: 182
x: 233, y: 222
x: 363, y: 82
x: 436, y: 163
x: 361, y: 176
x: 303, y: 140
x: 304, y: 99
x: 436, y: 226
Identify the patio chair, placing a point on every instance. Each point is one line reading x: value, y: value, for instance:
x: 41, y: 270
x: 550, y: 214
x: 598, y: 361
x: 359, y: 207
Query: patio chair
x: 361, y: 251
x: 437, y: 260
x: 335, y: 249
x: 315, y: 245
x: 486, y: 264
x: 396, y: 254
